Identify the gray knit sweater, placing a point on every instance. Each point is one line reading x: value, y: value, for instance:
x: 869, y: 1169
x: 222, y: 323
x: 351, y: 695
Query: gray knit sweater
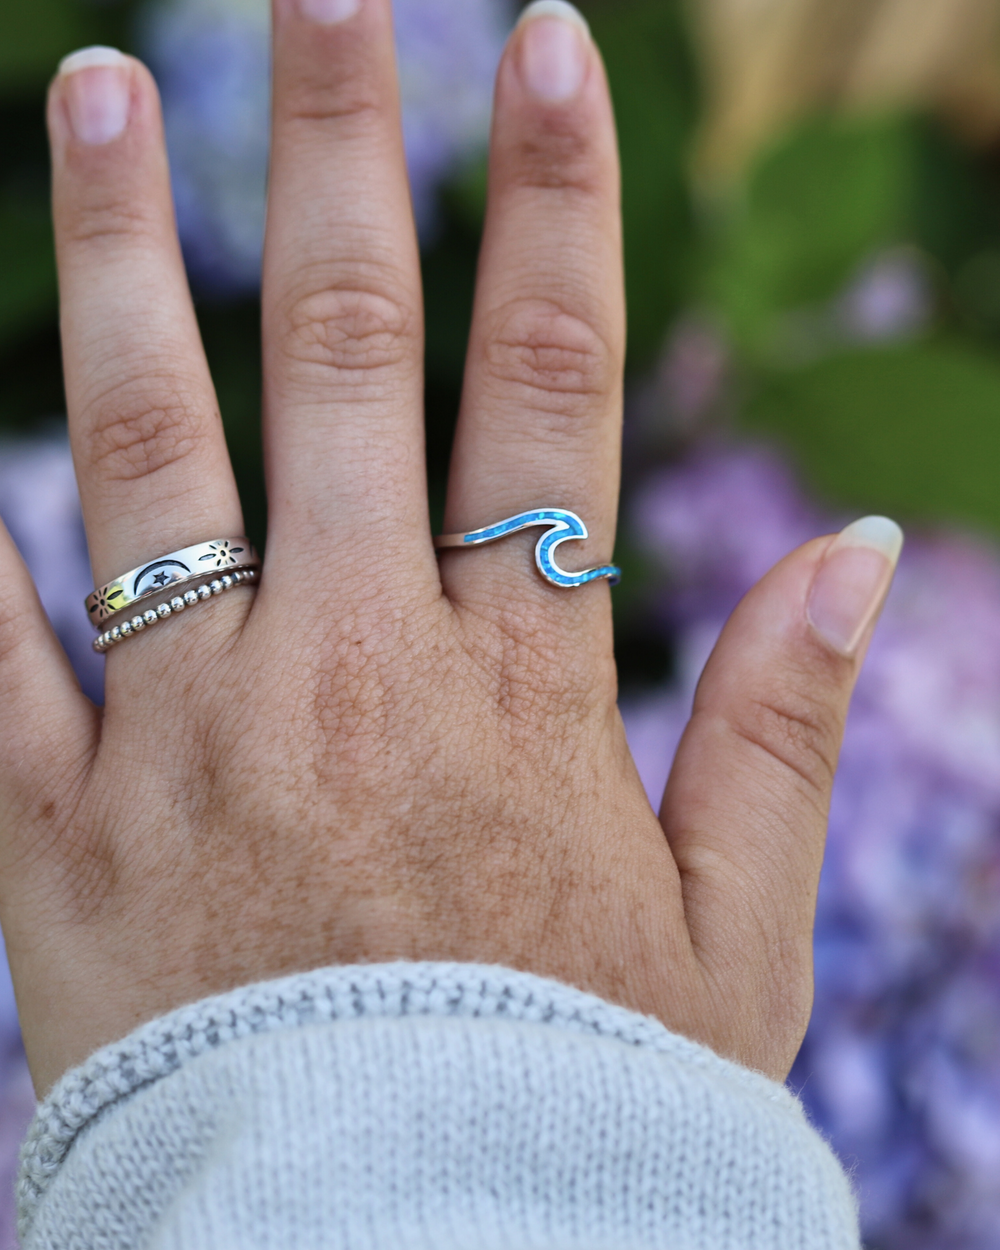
x: 423, y: 1107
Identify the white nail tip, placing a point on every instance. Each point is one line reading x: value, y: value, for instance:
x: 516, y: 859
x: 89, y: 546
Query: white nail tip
x: 91, y: 58
x: 875, y: 532
x: 556, y: 8
x: 329, y: 12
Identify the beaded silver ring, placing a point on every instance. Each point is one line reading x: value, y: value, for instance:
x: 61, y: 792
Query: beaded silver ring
x: 153, y: 616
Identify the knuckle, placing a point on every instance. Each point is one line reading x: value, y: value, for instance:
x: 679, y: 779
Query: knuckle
x: 558, y: 359
x: 105, y: 219
x: 558, y: 158
x: 353, y: 102
x: 798, y: 733
x: 350, y: 331
x: 141, y: 427
x: 529, y: 676
x: 354, y: 94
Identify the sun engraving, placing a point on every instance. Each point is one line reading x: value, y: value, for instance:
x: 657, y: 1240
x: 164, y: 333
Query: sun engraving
x: 106, y: 603
x: 222, y: 554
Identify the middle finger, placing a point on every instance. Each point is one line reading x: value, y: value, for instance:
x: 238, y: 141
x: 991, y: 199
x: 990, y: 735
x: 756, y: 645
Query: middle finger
x: 343, y: 335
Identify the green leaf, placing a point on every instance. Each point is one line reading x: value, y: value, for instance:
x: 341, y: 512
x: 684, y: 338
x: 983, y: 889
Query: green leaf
x: 653, y: 84
x: 34, y: 35
x: 955, y: 209
x: 912, y: 431
x: 814, y: 207
x: 464, y: 195
x: 27, y: 269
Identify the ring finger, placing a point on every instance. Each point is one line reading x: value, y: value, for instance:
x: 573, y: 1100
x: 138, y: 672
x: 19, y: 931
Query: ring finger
x: 147, y: 439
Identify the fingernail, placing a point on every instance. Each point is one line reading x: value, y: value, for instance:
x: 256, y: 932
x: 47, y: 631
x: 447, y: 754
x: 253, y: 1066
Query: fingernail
x: 329, y: 12
x: 97, y: 91
x: 554, y: 49
x: 851, y: 584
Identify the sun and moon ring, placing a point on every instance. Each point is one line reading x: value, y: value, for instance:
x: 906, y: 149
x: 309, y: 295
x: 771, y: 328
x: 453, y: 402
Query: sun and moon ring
x: 156, y: 576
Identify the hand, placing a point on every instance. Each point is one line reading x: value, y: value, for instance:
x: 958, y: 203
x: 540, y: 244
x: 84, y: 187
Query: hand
x: 380, y: 754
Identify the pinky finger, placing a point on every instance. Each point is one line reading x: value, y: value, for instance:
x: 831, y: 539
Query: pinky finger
x: 47, y: 725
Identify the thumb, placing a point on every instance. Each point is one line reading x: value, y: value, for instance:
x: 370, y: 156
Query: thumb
x: 746, y: 806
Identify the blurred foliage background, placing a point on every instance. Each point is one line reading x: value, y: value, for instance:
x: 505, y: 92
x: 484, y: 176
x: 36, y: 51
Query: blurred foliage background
x: 812, y: 221
x: 811, y: 199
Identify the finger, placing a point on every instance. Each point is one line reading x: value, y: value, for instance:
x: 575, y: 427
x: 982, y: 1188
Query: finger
x: 746, y: 806
x: 342, y: 321
x: 147, y: 440
x: 47, y: 726
x: 541, y: 410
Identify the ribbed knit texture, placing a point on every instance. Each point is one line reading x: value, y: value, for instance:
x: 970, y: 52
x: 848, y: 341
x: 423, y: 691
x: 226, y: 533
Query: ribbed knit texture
x: 423, y: 1107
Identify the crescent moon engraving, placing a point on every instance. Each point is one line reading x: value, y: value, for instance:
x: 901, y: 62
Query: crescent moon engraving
x: 158, y: 574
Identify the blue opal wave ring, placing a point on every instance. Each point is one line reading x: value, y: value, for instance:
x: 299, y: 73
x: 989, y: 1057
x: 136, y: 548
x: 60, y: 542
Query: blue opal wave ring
x: 560, y: 525
x: 153, y: 577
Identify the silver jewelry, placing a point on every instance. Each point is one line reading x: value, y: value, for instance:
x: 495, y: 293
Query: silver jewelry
x: 155, y: 576
x: 153, y: 616
x: 560, y: 526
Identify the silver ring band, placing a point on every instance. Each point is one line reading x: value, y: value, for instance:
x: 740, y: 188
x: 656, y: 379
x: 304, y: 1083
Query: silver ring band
x: 155, y: 576
x: 153, y: 616
x: 560, y: 524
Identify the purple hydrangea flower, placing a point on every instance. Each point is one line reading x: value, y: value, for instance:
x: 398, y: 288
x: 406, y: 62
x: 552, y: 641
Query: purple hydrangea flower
x: 40, y: 506
x: 212, y: 61
x: 890, y: 298
x: 448, y: 55
x: 901, y: 1063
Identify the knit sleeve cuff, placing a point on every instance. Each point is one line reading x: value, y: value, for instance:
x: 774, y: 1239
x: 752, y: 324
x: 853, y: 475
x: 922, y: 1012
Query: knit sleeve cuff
x: 560, y: 1107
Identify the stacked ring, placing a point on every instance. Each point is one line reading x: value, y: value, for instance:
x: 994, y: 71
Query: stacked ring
x: 152, y: 616
x: 155, y: 576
